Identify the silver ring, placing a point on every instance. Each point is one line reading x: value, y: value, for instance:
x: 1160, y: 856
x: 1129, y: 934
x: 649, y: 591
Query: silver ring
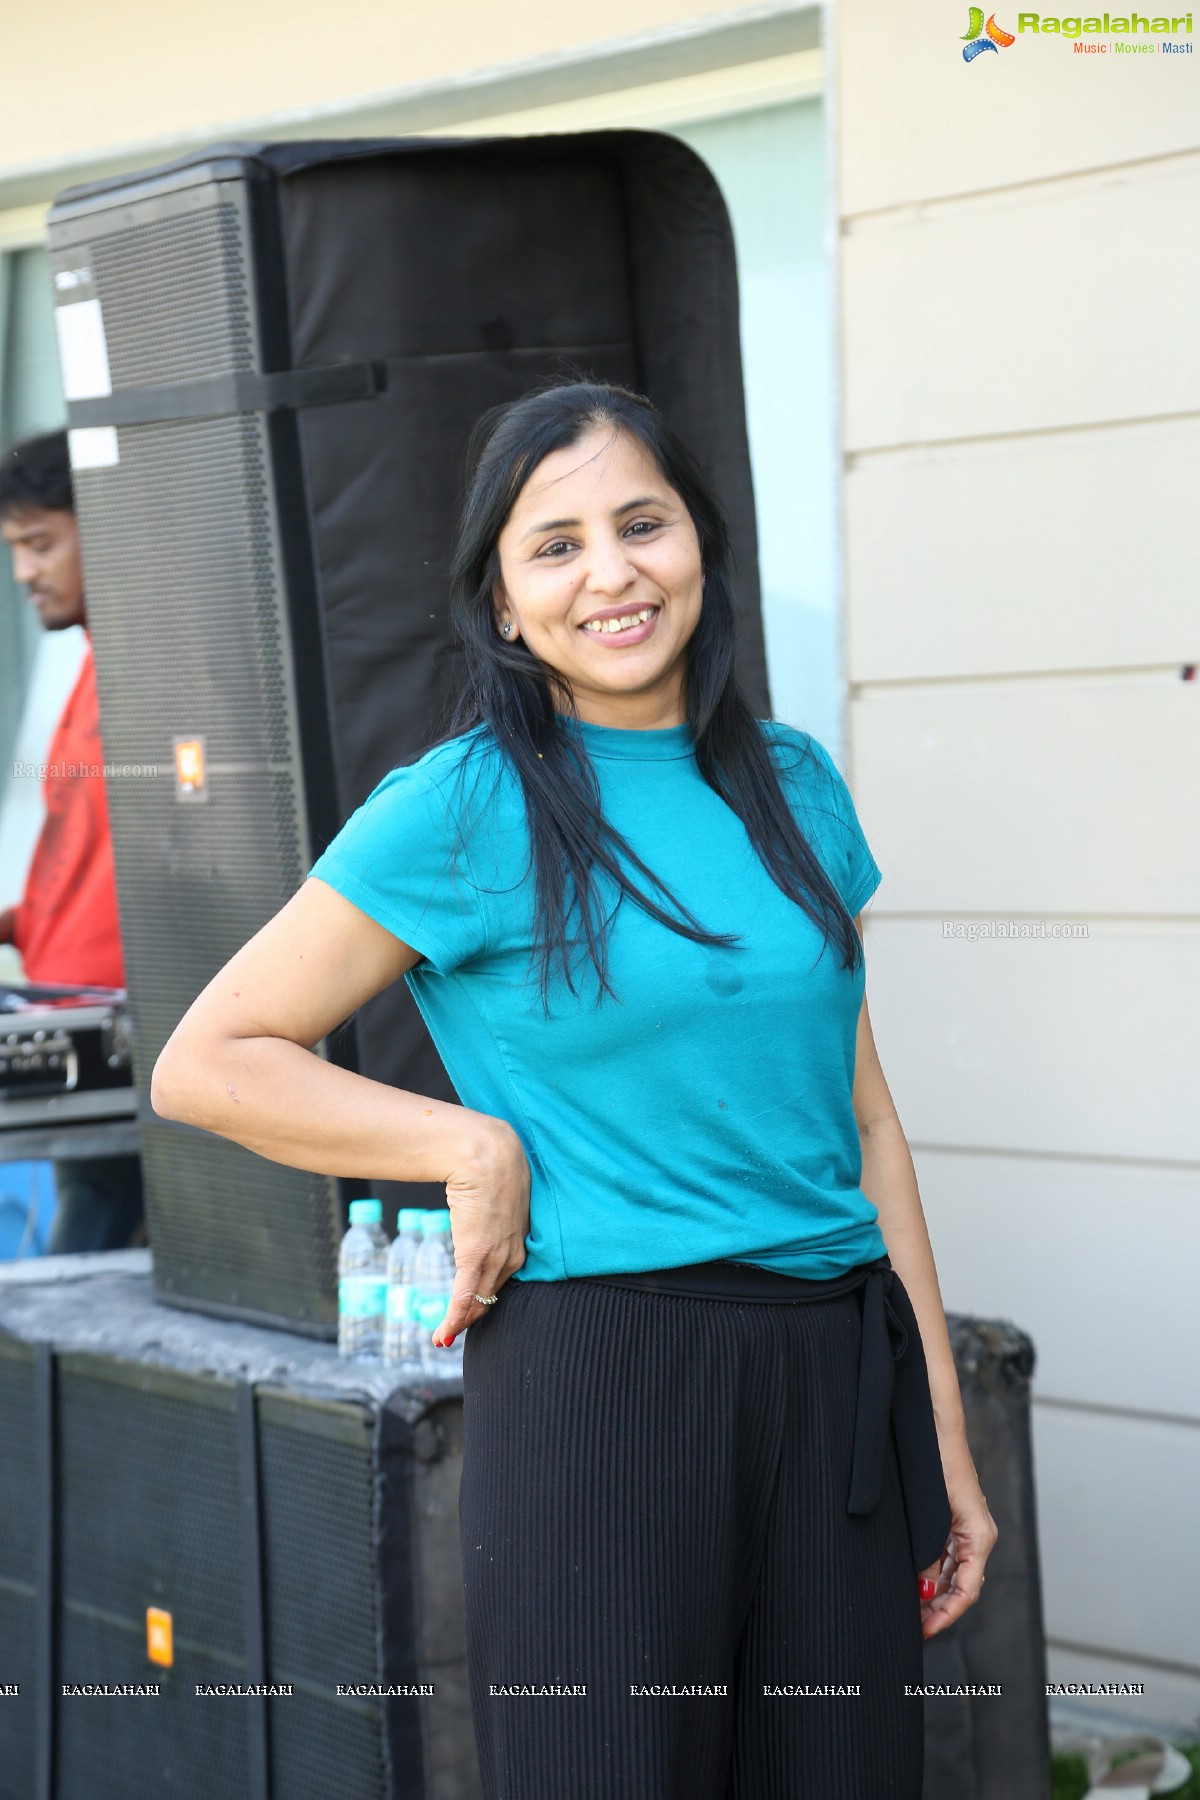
x: 486, y: 1299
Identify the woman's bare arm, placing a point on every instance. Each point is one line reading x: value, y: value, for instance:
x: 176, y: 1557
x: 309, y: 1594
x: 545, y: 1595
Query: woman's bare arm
x: 240, y: 1063
x: 889, y: 1181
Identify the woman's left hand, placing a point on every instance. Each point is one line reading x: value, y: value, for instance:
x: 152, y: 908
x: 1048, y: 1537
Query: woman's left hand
x: 958, y: 1576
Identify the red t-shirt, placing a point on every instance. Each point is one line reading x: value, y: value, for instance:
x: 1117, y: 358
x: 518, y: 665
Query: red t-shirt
x: 66, y: 926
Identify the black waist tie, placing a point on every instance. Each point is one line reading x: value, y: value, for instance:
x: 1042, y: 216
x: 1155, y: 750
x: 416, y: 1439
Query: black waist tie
x: 893, y: 1380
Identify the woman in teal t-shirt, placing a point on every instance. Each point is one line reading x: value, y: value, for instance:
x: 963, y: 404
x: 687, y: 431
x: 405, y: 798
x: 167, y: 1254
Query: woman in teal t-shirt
x: 712, y: 1427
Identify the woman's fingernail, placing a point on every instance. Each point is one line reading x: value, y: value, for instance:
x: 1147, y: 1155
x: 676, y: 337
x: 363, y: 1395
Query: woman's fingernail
x: 927, y: 1587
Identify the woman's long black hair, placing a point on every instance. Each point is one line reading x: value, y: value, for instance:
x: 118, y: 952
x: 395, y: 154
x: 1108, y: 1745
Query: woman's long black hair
x: 512, y: 693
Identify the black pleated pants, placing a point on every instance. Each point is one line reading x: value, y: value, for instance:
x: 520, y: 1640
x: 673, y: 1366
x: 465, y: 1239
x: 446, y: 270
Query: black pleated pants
x: 654, y: 1494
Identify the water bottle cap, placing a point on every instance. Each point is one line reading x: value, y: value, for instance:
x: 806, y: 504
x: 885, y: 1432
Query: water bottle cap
x: 437, y: 1224
x: 366, y: 1212
x: 410, y: 1219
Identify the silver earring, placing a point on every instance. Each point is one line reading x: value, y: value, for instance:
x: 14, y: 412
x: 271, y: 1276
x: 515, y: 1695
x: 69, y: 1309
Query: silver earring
x: 506, y: 629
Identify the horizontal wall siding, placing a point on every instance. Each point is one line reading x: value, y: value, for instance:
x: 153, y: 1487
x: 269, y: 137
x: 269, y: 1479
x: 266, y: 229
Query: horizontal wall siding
x: 1121, y: 1554
x: 1111, y: 1311
x: 1066, y: 1049
x: 1017, y: 554
x: 919, y: 122
x: 1062, y: 797
x: 1069, y: 304
x: 1019, y: 255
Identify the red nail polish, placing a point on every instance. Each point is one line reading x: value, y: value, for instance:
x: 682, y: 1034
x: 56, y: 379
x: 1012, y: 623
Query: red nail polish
x: 927, y: 1587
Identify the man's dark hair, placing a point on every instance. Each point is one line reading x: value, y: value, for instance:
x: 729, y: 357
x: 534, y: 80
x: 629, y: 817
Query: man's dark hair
x: 36, y: 473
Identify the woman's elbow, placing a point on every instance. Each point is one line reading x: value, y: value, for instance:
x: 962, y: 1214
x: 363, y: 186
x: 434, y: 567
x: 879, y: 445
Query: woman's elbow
x: 173, y: 1083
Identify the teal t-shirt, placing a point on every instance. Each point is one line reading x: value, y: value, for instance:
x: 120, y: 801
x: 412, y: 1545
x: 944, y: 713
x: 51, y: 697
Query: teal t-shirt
x: 706, y: 1112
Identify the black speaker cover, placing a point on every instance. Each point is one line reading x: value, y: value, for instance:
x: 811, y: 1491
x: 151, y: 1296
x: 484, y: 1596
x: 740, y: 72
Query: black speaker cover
x: 295, y: 341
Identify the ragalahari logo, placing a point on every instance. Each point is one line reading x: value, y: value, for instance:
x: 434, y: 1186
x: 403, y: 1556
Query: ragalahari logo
x: 974, y: 43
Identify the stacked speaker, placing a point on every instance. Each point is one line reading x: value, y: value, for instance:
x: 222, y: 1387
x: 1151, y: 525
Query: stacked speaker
x: 235, y: 1518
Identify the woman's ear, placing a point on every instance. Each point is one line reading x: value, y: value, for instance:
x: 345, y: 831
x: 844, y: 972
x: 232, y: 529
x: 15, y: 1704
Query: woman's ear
x: 506, y: 625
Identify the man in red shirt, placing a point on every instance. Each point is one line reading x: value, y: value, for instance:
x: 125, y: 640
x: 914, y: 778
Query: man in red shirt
x: 65, y: 924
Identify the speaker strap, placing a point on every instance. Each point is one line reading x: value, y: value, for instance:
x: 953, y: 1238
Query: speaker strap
x: 45, y: 1487
x: 252, y: 1571
x: 240, y: 391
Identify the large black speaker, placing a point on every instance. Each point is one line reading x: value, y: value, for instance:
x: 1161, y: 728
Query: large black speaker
x: 282, y: 1520
x: 273, y: 356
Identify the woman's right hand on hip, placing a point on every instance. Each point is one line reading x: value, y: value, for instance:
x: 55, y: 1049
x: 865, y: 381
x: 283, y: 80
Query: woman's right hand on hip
x: 488, y: 1197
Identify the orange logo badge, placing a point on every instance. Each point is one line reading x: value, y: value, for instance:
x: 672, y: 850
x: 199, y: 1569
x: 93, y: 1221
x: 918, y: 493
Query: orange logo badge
x: 160, y: 1637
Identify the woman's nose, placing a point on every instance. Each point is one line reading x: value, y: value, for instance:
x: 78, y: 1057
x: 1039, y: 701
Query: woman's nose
x: 609, y: 570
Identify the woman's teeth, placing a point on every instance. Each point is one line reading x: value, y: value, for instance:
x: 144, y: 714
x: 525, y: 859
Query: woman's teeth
x: 623, y: 623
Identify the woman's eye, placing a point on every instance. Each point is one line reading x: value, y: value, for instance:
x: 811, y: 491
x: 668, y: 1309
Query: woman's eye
x: 553, y: 549
x: 642, y: 526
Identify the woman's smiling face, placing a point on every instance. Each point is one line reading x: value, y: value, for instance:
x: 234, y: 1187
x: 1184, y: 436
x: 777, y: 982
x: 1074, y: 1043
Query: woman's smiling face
x: 601, y: 575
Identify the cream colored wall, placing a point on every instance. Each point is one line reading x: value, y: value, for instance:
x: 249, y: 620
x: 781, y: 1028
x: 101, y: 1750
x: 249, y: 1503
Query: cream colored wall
x: 1019, y: 264
x: 137, y: 80
x: 138, y: 69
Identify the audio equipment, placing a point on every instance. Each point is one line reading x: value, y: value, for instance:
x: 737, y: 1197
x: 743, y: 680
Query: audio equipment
x: 229, y: 1560
x: 64, y: 1056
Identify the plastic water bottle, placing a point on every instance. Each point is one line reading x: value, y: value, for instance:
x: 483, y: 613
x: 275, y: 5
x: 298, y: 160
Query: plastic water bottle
x: 399, y: 1332
x: 433, y: 1282
x: 362, y: 1281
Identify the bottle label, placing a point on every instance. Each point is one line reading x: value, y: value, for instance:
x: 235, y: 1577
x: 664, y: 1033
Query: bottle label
x: 362, y: 1296
x: 429, y: 1306
x: 399, y: 1302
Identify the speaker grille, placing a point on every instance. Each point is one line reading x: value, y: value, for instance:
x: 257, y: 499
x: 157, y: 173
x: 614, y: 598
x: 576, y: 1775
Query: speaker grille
x: 19, y: 1512
x: 176, y: 306
x: 227, y: 864
x: 141, y: 1748
x: 149, y: 1516
x: 317, y: 1507
x: 317, y: 1751
x: 232, y: 1229
x: 149, y: 1482
x: 182, y: 531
